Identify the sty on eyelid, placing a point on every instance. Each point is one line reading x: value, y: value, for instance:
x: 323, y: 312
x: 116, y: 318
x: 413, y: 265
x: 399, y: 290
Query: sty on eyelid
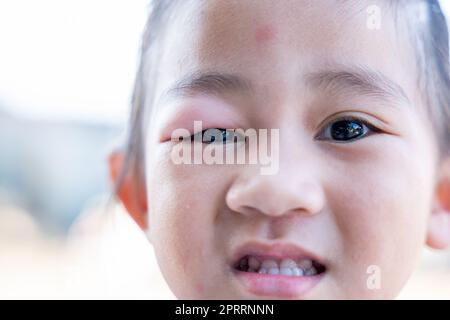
x: 184, y: 114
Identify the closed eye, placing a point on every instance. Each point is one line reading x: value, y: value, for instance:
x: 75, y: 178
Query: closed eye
x: 217, y: 136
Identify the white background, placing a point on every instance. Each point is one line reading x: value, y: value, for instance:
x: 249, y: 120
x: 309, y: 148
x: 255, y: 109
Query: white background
x: 72, y: 58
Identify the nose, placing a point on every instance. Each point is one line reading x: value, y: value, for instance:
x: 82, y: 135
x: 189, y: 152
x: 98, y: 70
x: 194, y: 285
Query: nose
x: 293, y: 189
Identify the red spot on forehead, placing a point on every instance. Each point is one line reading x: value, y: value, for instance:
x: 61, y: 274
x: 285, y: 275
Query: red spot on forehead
x: 265, y: 33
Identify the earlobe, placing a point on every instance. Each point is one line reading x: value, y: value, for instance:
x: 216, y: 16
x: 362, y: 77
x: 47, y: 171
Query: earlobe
x: 438, y: 236
x: 131, y: 189
x: 439, y: 231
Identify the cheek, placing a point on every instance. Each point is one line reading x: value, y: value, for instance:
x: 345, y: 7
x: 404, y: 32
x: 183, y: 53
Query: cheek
x: 381, y: 207
x: 183, y: 204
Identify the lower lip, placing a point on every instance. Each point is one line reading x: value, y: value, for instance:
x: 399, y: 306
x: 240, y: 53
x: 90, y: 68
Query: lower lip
x: 281, y: 286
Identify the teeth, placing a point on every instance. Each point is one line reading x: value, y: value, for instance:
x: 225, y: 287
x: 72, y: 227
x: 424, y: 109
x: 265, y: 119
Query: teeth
x: 253, y: 263
x: 286, y: 271
x: 311, y: 271
x: 268, y: 264
x: 288, y: 263
x: 297, y: 272
x: 274, y: 271
x: 287, y: 267
x: 305, y: 264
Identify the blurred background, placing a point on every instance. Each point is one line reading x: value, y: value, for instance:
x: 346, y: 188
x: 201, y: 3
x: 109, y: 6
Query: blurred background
x: 66, y: 74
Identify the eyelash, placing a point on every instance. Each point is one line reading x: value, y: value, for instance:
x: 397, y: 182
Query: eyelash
x: 236, y: 137
x: 368, y: 129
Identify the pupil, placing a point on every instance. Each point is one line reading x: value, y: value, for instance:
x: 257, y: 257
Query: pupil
x: 346, y: 130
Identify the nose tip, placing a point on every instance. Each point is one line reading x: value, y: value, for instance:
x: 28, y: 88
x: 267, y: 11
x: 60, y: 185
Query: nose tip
x: 275, y: 197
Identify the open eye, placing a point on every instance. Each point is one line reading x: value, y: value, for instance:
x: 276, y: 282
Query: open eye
x: 217, y: 136
x: 347, y: 130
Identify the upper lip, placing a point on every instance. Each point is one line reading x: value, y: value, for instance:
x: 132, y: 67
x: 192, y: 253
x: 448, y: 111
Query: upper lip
x: 277, y: 251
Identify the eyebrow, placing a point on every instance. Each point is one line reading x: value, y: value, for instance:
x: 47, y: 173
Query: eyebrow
x: 210, y: 83
x: 361, y: 80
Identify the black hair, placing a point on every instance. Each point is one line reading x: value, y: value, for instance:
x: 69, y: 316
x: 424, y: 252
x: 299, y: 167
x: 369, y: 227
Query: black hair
x: 431, y: 41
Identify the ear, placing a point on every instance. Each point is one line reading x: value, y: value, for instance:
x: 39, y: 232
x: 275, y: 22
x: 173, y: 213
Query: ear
x: 131, y: 191
x: 438, y: 236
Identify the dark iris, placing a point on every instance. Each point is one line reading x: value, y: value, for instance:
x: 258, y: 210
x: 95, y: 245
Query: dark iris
x: 346, y: 130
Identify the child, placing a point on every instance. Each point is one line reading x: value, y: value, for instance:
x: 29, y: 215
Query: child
x: 359, y: 92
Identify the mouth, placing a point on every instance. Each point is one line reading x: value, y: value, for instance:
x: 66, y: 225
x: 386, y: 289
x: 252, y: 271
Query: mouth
x: 280, y: 270
x: 303, y: 267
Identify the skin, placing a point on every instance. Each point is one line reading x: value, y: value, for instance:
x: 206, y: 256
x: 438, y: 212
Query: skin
x: 373, y: 201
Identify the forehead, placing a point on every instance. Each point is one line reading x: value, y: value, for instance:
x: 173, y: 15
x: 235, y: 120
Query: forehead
x: 273, y: 43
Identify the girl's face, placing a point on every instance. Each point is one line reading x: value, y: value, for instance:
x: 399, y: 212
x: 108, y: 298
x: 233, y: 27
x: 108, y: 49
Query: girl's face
x: 356, y: 156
